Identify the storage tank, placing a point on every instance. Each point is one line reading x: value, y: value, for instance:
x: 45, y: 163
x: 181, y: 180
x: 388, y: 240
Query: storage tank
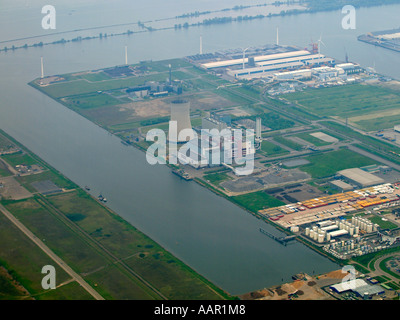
x: 320, y: 238
x: 307, y: 231
x: 312, y: 234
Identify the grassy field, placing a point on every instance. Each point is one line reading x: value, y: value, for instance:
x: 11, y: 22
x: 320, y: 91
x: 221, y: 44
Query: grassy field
x: 309, y: 138
x: 256, y: 201
x: 327, y: 164
x: 92, y: 100
x: 4, y: 172
x: 289, y: 143
x: 383, y: 224
x: 19, y: 159
x: 69, y: 291
x: 216, y: 178
x: 346, y: 101
x: 162, y: 270
x: 59, y: 180
x: 23, y: 259
x: 379, y: 123
x: 63, y: 241
x: 272, y: 149
x: 5, y: 143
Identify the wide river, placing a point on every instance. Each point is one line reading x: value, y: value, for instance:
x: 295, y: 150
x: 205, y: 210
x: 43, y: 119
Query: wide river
x: 213, y: 236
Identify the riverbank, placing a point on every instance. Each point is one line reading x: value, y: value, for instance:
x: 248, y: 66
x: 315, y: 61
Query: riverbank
x: 100, y: 245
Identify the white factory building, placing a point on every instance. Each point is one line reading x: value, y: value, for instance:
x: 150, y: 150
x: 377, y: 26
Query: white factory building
x: 360, y: 287
x: 360, y: 177
x: 324, y: 73
x: 268, y: 64
x: 258, y: 59
x: 293, y: 75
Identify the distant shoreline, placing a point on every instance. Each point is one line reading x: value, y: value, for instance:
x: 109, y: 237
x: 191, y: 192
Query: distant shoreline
x: 309, y: 7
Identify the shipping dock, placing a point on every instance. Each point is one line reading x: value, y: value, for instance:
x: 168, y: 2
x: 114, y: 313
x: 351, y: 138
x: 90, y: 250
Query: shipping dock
x: 389, y: 39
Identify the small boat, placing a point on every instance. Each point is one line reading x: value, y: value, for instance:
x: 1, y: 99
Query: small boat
x: 87, y: 188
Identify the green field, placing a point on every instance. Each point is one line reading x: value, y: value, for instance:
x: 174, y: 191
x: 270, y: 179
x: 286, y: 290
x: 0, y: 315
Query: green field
x: 92, y: 100
x: 162, y: 270
x: 379, y: 123
x: 70, y: 247
x: 383, y: 224
x: 5, y: 143
x: 4, y: 172
x: 272, y: 149
x: 309, y: 138
x: 327, y: 164
x: 59, y: 180
x: 346, y: 101
x: 216, y: 178
x: 19, y: 158
x: 289, y: 143
x: 23, y: 259
x: 256, y: 201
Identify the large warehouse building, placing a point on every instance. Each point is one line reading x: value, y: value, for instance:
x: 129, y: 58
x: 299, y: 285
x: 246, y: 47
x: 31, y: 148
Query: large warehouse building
x: 360, y: 287
x: 360, y: 177
x: 265, y: 64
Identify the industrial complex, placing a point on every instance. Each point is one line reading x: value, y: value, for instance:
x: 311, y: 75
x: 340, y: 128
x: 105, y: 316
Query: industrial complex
x: 315, y: 178
x: 280, y: 63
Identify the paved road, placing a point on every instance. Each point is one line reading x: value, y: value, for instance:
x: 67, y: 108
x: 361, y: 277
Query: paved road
x: 51, y: 254
x: 379, y: 271
x: 375, y: 157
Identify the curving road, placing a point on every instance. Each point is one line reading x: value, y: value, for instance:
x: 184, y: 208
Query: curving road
x: 378, y: 271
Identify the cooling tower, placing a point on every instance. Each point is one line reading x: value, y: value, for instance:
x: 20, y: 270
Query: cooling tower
x: 180, y: 112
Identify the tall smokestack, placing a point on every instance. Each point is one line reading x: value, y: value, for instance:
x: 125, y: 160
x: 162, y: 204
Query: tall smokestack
x: 277, y: 36
x: 42, y: 68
